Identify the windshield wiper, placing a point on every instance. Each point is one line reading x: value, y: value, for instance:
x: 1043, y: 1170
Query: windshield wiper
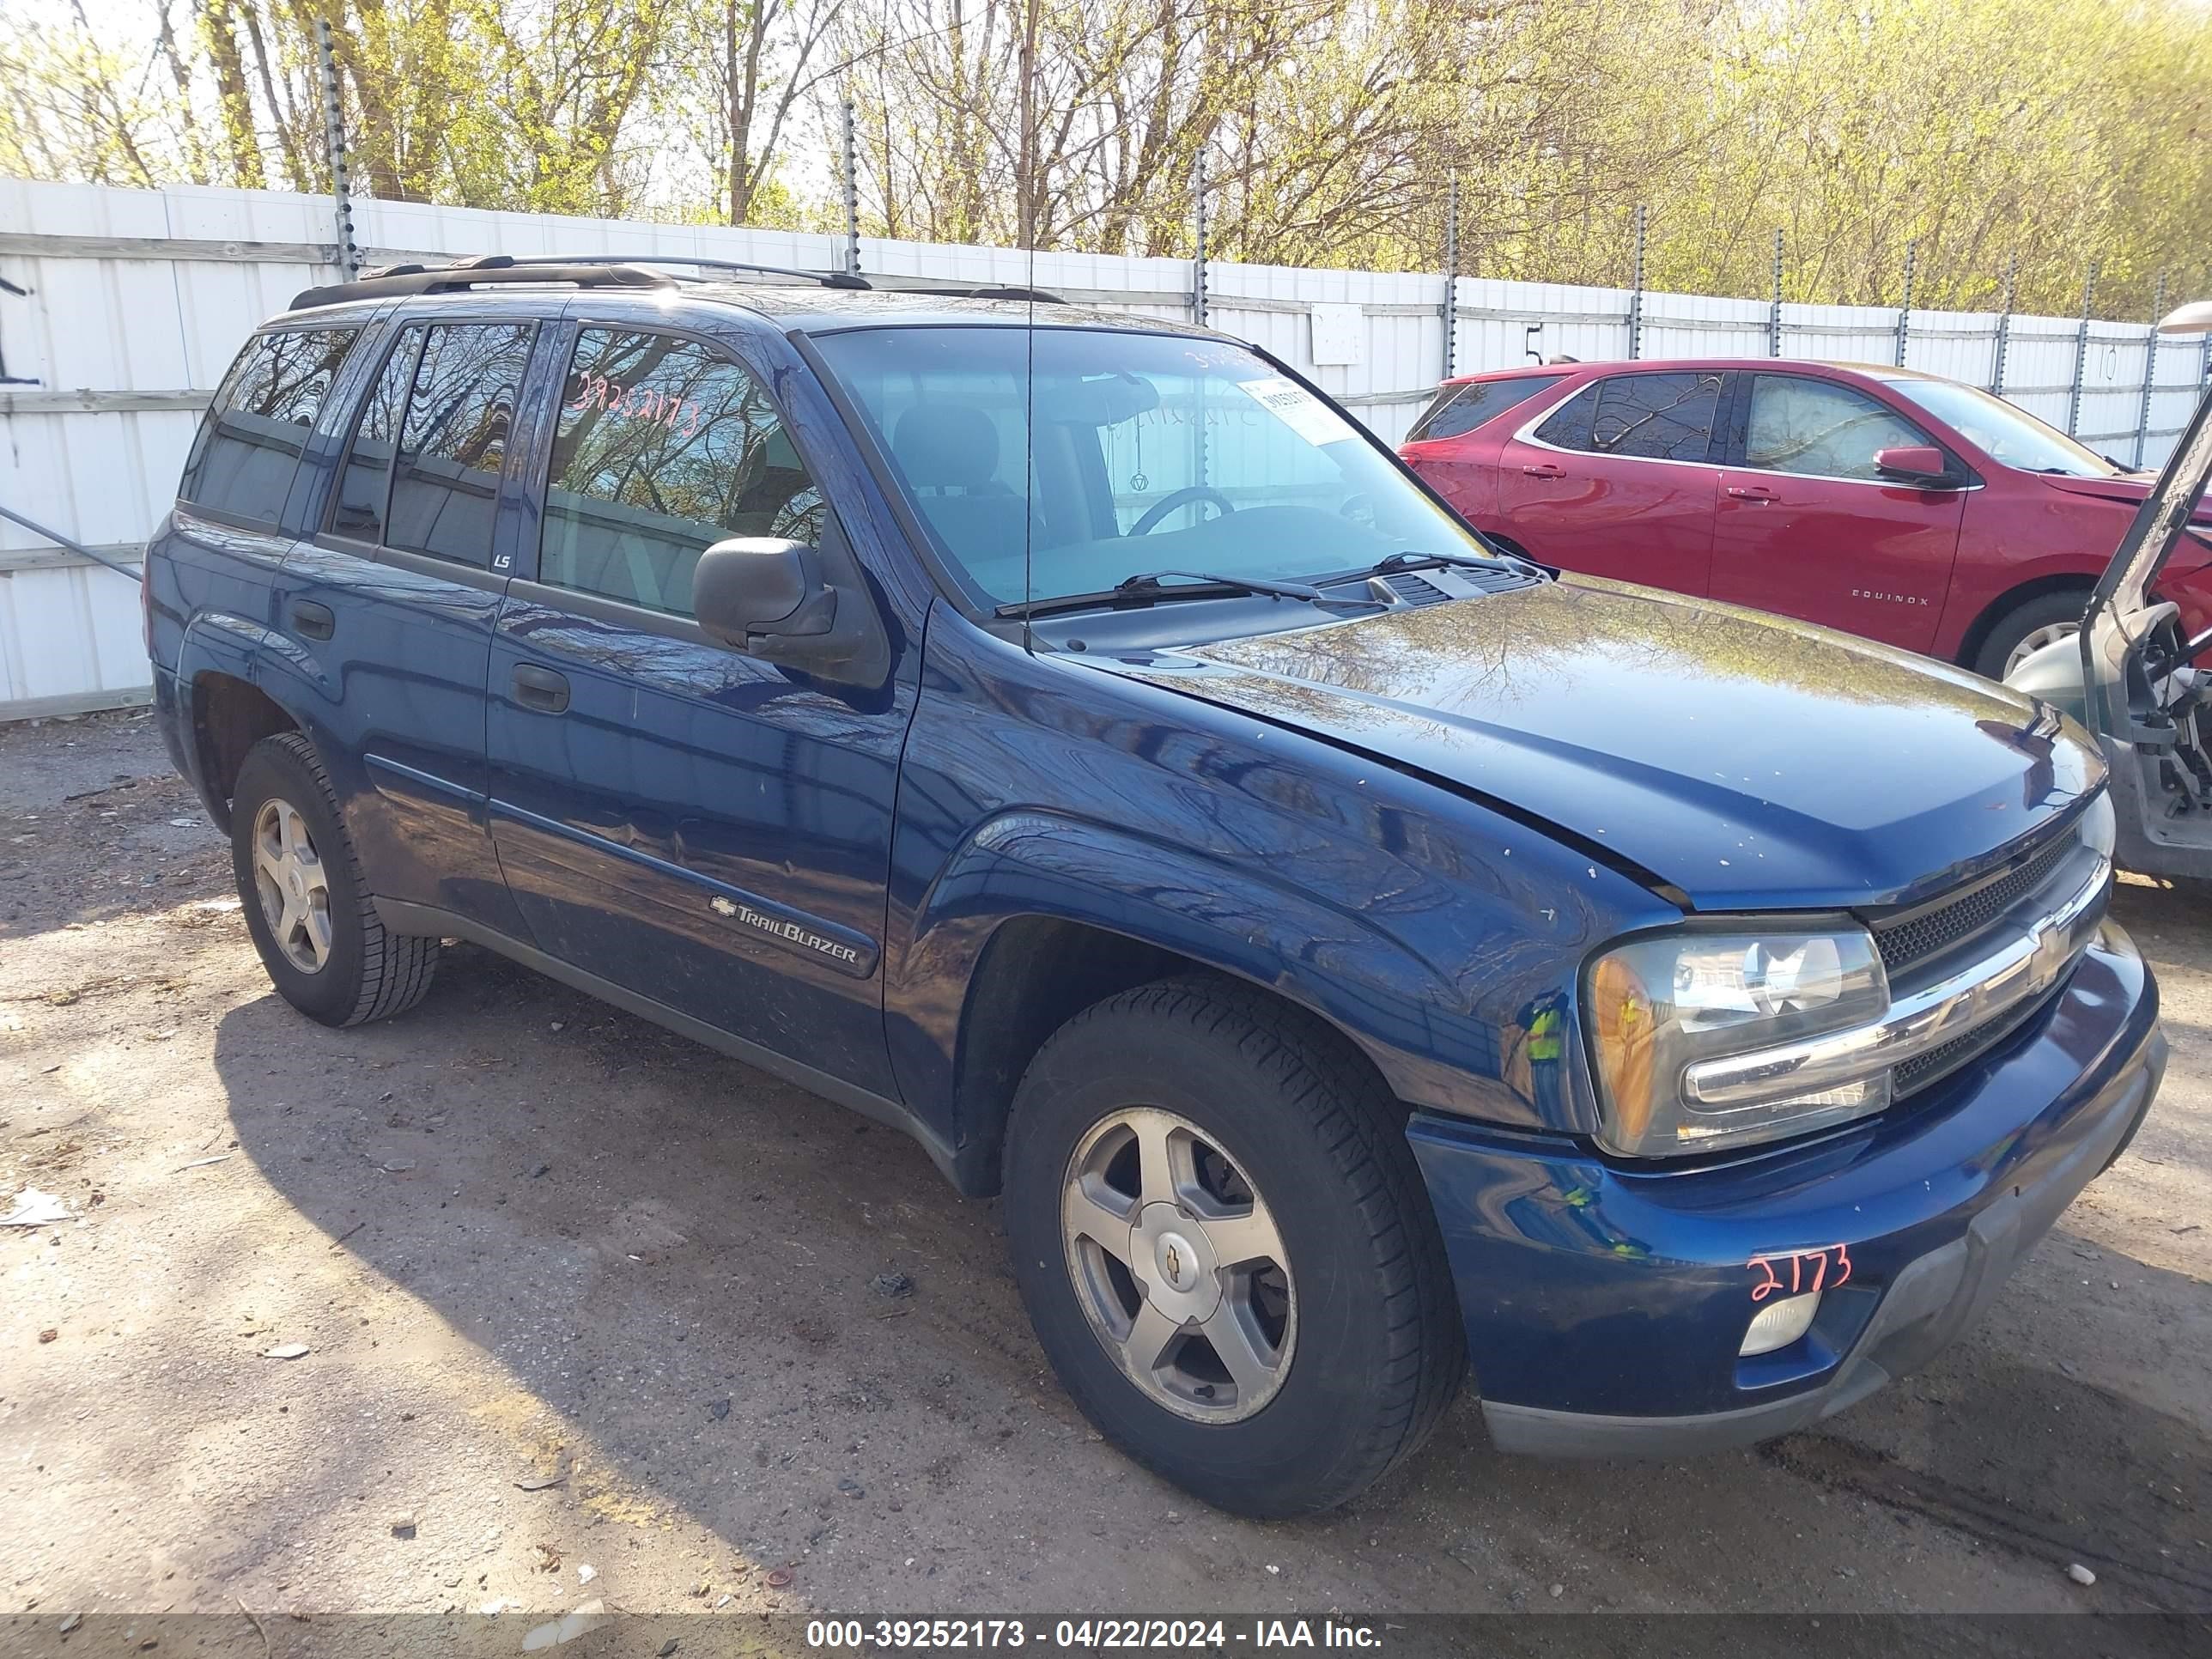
x: 1410, y: 561
x: 1151, y: 587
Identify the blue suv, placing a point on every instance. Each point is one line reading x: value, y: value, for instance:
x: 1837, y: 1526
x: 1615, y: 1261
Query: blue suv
x: 1356, y: 958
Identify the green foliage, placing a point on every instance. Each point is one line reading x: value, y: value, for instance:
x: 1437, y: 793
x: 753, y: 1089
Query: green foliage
x: 1978, y: 132
x: 1980, y: 129
x: 73, y: 108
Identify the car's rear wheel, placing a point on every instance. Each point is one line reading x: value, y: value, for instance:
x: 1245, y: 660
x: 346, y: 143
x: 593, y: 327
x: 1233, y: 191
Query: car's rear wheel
x: 2027, y: 627
x: 1224, y: 1246
x: 307, y: 904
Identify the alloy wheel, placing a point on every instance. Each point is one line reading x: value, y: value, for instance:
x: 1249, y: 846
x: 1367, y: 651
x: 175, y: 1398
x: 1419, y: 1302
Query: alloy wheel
x: 1179, y: 1265
x: 294, y: 887
x: 2036, y: 638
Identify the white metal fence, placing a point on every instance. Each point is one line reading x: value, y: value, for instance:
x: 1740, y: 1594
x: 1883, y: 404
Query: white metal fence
x: 121, y: 308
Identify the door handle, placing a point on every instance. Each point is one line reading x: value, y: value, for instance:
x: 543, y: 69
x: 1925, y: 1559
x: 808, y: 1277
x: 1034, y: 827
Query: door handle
x: 312, y: 621
x: 1751, y: 492
x: 1544, y: 470
x: 541, y: 688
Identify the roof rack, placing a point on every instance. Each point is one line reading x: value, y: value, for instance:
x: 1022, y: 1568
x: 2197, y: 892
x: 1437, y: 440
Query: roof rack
x: 585, y: 270
x: 391, y: 281
x: 827, y: 278
x: 1037, y: 295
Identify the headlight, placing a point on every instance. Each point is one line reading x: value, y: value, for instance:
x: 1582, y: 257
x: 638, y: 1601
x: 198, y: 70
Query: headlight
x: 2097, y: 827
x: 1656, y: 1006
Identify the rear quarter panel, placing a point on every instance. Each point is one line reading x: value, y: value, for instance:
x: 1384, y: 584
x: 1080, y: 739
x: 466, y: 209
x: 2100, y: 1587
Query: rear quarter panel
x: 212, y: 586
x: 1463, y: 468
x: 207, y: 598
x: 1463, y: 471
x: 208, y: 593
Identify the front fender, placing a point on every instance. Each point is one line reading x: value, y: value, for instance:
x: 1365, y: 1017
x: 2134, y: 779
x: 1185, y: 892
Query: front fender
x: 1409, y: 1016
x: 1427, y: 928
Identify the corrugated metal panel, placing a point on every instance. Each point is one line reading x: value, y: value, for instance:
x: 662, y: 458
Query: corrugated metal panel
x: 97, y: 322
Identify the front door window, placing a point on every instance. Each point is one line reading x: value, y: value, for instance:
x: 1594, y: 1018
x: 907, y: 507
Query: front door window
x: 1818, y: 429
x: 665, y: 447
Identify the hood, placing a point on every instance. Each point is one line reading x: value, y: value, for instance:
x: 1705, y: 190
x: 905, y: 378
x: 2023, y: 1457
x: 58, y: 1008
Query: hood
x: 1742, y: 760
x: 2122, y: 492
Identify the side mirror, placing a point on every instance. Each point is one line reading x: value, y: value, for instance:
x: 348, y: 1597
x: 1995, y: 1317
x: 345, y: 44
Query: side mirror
x: 1914, y: 464
x: 769, y: 598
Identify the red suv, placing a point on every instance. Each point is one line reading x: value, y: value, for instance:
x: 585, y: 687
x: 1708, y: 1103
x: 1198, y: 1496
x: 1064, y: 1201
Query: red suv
x: 1903, y: 506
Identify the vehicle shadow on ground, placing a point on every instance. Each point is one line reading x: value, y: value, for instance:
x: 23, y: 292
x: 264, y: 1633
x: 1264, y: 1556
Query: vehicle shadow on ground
x: 2180, y: 914
x: 675, y: 1259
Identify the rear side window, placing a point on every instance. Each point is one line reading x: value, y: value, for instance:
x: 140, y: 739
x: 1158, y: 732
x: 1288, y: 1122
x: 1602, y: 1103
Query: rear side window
x: 248, y: 449
x: 452, y: 439
x: 1568, y: 427
x: 664, y: 448
x: 1460, y: 409
x: 1663, y: 417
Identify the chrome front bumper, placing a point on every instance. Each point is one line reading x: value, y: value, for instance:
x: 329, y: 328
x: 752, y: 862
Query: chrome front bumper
x: 2034, y: 949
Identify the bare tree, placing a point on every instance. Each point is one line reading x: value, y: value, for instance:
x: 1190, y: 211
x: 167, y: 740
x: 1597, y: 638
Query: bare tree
x: 1975, y: 128
x: 763, y: 59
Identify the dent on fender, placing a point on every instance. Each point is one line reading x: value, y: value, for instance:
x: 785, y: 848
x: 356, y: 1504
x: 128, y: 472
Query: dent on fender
x: 219, y: 641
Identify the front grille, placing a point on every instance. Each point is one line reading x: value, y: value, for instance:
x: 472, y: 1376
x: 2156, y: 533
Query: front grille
x: 1915, y: 938
x: 1960, y: 1051
x: 1923, y: 1069
x: 1928, y: 1066
x: 1918, y: 949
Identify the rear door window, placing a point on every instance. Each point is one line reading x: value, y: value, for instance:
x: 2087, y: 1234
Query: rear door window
x: 1463, y: 408
x: 453, y: 439
x: 1662, y: 417
x: 665, y: 447
x: 248, y: 450
x: 364, y: 491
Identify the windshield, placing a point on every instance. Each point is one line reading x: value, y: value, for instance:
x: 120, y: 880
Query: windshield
x: 2008, y: 436
x: 1143, y: 452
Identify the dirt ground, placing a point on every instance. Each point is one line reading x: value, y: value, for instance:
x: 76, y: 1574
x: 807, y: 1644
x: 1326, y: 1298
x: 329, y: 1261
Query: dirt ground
x: 527, y: 1239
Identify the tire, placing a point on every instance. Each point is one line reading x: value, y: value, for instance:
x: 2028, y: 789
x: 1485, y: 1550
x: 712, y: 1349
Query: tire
x: 2062, y: 609
x: 1370, y: 1351
x: 336, y: 961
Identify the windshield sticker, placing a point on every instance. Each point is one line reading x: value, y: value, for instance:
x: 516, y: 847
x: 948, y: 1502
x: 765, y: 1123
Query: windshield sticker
x: 1297, y: 409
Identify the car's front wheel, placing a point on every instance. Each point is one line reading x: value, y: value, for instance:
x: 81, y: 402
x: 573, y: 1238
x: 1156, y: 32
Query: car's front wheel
x: 2027, y: 627
x: 1223, y: 1243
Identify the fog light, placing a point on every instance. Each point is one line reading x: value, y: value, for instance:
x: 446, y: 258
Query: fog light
x: 1778, y: 1324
